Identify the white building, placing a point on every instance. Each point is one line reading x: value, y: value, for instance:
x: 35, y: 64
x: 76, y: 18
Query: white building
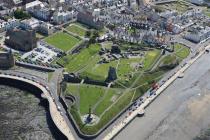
x: 96, y: 12
x: 30, y: 23
x: 39, y: 26
x: 199, y: 34
x: 61, y: 16
x: 12, y: 23
x: 40, y: 12
x: 33, y: 4
x: 45, y: 28
x: 2, y: 25
x: 198, y: 2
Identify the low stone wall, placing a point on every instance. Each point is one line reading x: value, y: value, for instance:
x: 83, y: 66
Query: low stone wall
x: 31, y: 66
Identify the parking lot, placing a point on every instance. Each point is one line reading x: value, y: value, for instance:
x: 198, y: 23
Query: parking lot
x: 43, y: 53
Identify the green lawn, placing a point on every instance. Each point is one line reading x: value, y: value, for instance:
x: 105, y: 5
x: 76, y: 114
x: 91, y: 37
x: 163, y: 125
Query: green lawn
x: 75, y: 62
x: 126, y: 67
x: 99, y: 71
x: 123, y: 101
x: 76, y: 29
x: 169, y: 59
x: 183, y: 53
x: 109, y: 99
x: 73, y: 89
x: 150, y: 58
x: 88, y: 96
x: 149, y: 78
x: 177, y: 47
x: 62, y: 41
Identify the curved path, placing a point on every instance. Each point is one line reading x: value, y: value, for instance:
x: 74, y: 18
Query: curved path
x: 56, y: 115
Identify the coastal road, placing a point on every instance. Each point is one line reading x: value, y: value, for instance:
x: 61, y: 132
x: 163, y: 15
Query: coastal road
x: 180, y: 112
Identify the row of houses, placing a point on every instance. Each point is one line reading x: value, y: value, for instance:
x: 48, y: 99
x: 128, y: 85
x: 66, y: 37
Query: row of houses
x: 198, y: 34
x: 43, y: 11
x: 39, y: 26
x: 177, y: 23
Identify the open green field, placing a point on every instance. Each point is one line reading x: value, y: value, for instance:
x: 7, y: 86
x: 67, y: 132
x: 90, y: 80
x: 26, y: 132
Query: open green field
x: 177, y: 47
x: 167, y: 60
x: 149, y: 78
x: 75, y: 62
x: 86, y: 64
x: 181, y: 51
x: 122, y: 101
x: 88, y: 95
x: 124, y: 67
x: 98, y: 97
x: 98, y: 71
x: 150, y: 58
x: 109, y: 98
x: 77, y: 29
x: 145, y: 81
x: 62, y: 41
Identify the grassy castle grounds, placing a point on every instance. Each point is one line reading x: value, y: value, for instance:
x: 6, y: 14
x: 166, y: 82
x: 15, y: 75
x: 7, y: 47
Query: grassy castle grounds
x: 132, y: 81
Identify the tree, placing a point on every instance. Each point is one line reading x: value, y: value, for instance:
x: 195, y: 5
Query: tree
x: 92, y: 40
x: 88, y: 34
x: 95, y: 34
x: 20, y: 14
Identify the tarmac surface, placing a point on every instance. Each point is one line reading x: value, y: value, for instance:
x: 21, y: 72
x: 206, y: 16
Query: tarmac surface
x: 181, y: 112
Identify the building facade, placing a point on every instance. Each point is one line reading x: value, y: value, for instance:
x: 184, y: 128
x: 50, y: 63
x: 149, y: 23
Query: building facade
x: 6, y: 60
x: 87, y: 18
x: 20, y: 39
x: 61, y: 16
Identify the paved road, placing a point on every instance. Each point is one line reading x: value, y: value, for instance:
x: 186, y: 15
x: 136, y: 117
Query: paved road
x: 167, y: 113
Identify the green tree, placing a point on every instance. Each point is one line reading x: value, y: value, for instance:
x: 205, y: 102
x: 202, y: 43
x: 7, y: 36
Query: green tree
x: 88, y: 34
x: 95, y: 34
x: 20, y: 14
